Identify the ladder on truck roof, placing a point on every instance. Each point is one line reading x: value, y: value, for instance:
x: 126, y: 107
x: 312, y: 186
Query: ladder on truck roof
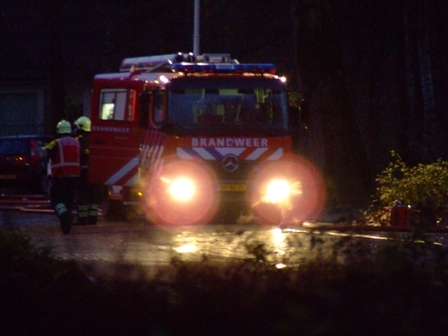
x: 152, y: 63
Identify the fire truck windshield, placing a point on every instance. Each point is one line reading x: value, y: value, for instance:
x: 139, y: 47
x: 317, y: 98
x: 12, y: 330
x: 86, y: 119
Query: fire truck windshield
x: 228, y: 104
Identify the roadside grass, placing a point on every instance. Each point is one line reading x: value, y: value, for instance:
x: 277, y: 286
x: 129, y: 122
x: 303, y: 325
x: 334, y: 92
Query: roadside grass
x: 398, y: 289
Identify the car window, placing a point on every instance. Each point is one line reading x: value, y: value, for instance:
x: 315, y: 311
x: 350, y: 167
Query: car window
x: 14, y: 147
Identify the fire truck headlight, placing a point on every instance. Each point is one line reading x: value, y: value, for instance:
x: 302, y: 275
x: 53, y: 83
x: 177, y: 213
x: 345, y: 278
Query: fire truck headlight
x: 182, y: 189
x: 287, y: 190
x: 180, y: 192
x: 277, y: 191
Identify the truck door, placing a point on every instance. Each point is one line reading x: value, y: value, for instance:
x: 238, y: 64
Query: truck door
x: 152, y: 112
x: 115, y: 139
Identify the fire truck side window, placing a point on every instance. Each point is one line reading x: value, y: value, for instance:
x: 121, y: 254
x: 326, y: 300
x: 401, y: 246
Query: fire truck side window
x: 117, y: 104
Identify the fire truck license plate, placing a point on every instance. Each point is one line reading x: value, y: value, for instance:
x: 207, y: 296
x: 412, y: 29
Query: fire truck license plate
x: 232, y: 187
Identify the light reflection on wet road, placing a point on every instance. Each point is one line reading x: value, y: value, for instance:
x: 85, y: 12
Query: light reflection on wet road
x: 139, y: 243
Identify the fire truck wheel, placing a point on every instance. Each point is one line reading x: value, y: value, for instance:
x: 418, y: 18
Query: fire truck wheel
x: 114, y: 211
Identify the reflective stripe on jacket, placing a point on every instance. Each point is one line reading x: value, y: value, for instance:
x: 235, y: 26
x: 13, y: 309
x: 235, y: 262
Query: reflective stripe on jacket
x: 66, y: 159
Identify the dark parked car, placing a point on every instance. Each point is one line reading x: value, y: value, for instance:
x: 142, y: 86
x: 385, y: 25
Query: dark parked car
x: 22, y: 163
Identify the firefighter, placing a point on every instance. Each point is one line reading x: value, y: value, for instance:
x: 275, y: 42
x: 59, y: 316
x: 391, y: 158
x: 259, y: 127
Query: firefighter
x: 87, y: 193
x: 64, y: 154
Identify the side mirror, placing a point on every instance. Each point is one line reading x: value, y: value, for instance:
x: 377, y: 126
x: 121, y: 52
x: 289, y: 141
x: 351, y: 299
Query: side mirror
x: 298, y: 111
x: 158, y: 108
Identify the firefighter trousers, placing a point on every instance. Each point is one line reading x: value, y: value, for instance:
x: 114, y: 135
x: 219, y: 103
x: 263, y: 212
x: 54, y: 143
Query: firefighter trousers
x: 88, y: 199
x: 62, y: 195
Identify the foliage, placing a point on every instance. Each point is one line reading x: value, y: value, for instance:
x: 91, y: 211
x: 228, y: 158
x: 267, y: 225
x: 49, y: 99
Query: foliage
x: 20, y: 259
x: 421, y: 186
x: 399, y: 289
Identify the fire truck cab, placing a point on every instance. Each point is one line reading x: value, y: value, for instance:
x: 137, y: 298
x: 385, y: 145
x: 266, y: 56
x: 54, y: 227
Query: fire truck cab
x: 186, y: 137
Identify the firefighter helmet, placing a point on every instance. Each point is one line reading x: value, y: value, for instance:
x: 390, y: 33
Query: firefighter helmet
x: 63, y: 127
x: 83, y: 124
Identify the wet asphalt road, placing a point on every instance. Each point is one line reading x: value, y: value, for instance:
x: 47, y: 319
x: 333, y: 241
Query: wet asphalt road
x: 142, y: 243
x: 102, y: 247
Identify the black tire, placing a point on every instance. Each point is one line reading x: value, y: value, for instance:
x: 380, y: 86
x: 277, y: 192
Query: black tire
x: 114, y: 211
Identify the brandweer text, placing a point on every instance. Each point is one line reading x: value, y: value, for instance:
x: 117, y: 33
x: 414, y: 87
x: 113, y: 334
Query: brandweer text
x: 229, y: 142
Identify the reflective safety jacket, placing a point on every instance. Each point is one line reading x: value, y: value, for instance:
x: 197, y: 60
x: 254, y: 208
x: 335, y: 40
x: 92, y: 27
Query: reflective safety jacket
x: 64, y: 153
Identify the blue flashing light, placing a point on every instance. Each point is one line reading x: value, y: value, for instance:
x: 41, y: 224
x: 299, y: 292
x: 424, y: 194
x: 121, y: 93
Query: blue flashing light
x: 224, y: 68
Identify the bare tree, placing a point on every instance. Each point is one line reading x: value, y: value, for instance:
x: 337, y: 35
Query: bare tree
x: 335, y: 141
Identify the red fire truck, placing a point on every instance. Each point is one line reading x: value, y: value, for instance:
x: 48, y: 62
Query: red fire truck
x: 190, y: 137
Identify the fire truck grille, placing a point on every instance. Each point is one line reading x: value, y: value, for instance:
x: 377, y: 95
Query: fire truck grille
x: 232, y: 173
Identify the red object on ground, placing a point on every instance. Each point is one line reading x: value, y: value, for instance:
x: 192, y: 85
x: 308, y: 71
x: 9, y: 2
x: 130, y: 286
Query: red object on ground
x: 399, y: 215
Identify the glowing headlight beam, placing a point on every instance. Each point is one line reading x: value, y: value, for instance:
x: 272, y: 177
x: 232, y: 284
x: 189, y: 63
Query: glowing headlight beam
x: 289, y: 190
x: 277, y: 191
x: 182, y: 189
x: 179, y: 192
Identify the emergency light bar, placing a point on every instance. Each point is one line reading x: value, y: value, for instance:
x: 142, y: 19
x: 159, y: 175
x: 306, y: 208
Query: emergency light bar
x: 152, y: 63
x: 259, y: 68
x: 216, y: 58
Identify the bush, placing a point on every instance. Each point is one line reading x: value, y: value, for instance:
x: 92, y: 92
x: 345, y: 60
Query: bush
x: 424, y: 186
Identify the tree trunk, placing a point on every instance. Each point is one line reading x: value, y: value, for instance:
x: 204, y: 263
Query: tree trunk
x: 427, y: 89
x: 333, y: 125
x: 420, y: 100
